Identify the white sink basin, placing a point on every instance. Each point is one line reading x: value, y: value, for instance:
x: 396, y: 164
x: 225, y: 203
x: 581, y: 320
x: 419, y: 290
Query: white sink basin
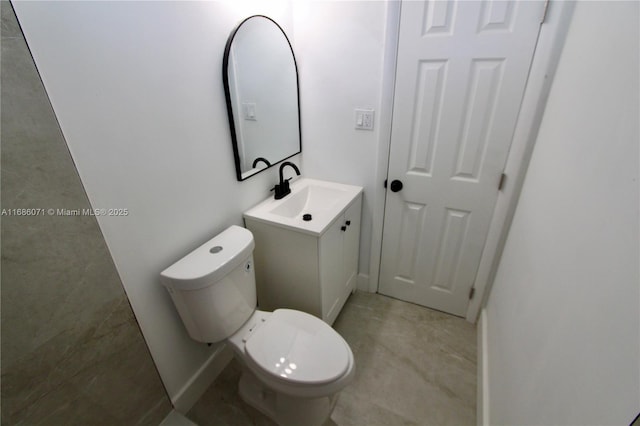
x: 323, y: 200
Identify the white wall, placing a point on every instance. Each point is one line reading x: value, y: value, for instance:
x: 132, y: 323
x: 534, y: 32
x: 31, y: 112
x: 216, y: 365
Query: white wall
x: 340, y: 50
x: 137, y: 89
x: 563, y: 316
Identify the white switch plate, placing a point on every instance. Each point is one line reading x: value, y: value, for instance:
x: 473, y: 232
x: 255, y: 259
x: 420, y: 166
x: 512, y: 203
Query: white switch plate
x: 364, y: 119
x: 249, y: 109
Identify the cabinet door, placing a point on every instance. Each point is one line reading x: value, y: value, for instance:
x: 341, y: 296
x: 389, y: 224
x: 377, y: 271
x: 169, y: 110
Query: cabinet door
x: 339, y: 247
x: 286, y: 265
x: 331, y: 270
x: 351, y: 245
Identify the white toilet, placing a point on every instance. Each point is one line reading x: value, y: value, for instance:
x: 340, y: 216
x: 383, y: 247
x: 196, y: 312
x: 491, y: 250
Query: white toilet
x: 294, y: 364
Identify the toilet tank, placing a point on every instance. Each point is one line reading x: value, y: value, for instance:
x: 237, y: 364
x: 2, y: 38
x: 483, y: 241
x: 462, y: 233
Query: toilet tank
x: 214, y: 287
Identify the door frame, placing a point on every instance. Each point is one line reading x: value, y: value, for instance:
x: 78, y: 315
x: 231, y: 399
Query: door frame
x: 543, y: 66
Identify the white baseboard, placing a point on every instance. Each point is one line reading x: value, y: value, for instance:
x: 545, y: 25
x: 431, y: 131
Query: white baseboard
x: 362, y: 283
x: 202, y: 379
x: 482, y: 403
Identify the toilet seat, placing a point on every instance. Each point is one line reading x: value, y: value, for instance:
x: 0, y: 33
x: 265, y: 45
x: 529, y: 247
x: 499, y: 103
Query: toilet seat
x: 298, y: 349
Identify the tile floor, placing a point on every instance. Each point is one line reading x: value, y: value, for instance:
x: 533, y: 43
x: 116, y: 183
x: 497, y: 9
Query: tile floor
x: 414, y: 366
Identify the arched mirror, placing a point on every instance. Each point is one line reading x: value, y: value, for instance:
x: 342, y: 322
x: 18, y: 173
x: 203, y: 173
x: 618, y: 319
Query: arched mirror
x: 261, y: 87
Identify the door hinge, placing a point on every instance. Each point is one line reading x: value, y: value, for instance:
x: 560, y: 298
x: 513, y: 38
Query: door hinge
x: 472, y: 291
x: 544, y: 11
x: 503, y: 179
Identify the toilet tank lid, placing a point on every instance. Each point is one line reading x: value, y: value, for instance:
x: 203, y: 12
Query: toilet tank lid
x: 211, y: 261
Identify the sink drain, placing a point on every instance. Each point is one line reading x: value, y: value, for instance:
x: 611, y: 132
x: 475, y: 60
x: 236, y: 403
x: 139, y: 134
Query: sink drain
x: 306, y: 217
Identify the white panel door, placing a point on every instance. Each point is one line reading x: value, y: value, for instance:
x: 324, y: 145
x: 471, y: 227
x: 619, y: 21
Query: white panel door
x: 461, y: 72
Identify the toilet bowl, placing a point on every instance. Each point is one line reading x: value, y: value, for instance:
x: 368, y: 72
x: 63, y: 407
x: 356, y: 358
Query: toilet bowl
x: 294, y: 364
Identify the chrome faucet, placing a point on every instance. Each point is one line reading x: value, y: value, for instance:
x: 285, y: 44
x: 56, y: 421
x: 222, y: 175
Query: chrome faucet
x: 282, y: 188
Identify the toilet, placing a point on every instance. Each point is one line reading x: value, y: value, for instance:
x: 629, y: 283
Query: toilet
x: 294, y: 364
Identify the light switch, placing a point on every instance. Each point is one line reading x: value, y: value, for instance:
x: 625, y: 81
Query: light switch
x: 249, y: 109
x: 364, y: 119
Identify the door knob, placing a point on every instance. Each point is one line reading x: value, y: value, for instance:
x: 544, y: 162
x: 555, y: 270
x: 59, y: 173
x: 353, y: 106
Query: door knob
x: 396, y: 185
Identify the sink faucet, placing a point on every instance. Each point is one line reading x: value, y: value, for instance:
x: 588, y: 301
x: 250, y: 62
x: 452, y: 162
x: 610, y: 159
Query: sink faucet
x: 282, y: 188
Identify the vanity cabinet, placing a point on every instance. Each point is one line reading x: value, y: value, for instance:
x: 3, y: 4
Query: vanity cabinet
x: 310, y: 272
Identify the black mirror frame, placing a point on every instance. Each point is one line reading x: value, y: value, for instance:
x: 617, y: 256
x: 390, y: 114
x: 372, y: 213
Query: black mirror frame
x: 227, y: 94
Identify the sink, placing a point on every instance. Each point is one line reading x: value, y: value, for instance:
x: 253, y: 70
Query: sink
x: 310, y: 198
x: 323, y: 200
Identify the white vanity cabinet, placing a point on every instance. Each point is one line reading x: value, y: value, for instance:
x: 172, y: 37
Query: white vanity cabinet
x: 309, y: 271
